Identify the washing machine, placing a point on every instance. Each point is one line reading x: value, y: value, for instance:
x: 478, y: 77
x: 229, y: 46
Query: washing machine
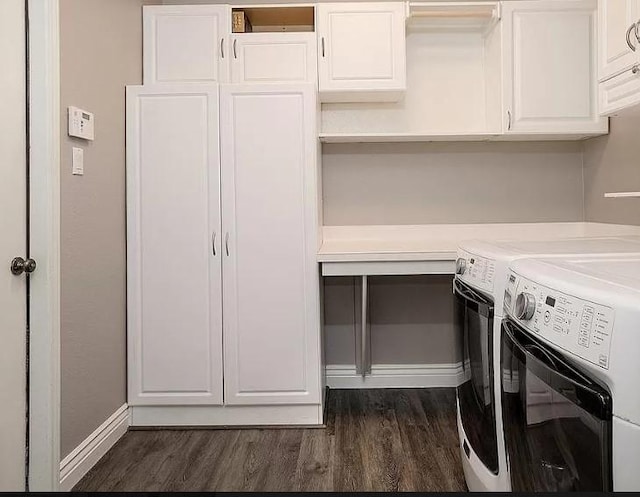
x: 571, y: 374
x: 479, y: 289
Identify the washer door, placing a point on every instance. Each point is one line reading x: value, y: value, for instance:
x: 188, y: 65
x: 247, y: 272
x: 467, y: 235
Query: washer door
x: 474, y: 323
x: 557, y: 421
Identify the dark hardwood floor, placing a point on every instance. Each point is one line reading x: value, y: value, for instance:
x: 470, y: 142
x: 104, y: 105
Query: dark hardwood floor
x: 375, y: 440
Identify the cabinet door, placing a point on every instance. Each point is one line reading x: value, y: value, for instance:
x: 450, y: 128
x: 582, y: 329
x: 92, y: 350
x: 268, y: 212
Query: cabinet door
x: 619, y: 47
x: 620, y: 92
x: 274, y: 57
x: 186, y: 44
x: 270, y: 273
x: 550, y: 79
x: 174, y: 282
x: 362, y: 51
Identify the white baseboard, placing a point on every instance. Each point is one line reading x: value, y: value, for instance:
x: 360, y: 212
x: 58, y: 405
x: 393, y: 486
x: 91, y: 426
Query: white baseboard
x: 396, y: 376
x: 88, y: 453
x: 226, y: 415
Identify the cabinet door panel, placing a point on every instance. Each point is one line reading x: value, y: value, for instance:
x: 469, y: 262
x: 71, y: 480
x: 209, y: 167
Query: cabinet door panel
x: 274, y: 57
x: 620, y: 92
x: 550, y: 64
x: 174, y: 278
x: 362, y: 49
x: 271, y: 302
x: 616, y: 18
x: 185, y: 44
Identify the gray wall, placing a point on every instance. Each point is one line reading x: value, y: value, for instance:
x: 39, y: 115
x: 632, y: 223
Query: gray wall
x: 410, y: 320
x: 101, y: 52
x: 417, y: 183
x: 612, y: 164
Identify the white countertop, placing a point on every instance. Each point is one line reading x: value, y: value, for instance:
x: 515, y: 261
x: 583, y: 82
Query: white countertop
x: 439, y: 242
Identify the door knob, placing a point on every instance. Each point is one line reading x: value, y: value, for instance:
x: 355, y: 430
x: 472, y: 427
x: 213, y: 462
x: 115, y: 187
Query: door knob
x: 19, y: 266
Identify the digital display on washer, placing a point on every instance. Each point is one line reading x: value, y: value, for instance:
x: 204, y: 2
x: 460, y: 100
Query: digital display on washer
x: 551, y: 302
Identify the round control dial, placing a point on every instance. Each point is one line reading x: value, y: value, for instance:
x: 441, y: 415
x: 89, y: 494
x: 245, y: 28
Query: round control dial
x: 525, y: 306
x: 461, y: 266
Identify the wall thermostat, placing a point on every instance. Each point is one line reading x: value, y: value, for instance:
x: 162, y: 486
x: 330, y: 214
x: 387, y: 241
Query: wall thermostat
x: 81, y: 123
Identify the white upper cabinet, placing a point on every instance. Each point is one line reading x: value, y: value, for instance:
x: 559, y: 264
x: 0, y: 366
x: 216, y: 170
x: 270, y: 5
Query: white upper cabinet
x: 274, y: 57
x: 619, y: 45
x: 186, y: 43
x: 361, y: 51
x: 619, y: 49
x: 270, y: 272
x: 174, y: 264
x: 550, y: 67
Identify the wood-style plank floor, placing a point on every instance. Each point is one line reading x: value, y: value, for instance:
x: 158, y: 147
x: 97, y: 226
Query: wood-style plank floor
x: 375, y: 440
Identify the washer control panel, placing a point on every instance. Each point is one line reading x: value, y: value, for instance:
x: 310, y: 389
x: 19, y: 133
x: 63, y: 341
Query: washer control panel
x: 581, y: 327
x: 478, y: 271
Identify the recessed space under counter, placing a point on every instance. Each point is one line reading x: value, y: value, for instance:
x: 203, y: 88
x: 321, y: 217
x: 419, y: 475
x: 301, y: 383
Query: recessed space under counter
x: 431, y: 248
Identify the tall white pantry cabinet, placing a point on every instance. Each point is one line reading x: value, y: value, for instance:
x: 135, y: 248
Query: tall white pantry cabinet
x: 223, y: 283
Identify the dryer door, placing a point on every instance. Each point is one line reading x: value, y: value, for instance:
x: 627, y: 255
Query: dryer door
x: 557, y: 421
x: 474, y: 323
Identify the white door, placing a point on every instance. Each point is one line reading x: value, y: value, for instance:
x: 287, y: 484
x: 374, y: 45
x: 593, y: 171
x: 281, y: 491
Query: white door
x: 619, y: 42
x: 274, y: 57
x: 173, y: 245
x: 270, y: 273
x: 186, y: 43
x: 13, y: 290
x: 550, y: 67
x: 361, y: 51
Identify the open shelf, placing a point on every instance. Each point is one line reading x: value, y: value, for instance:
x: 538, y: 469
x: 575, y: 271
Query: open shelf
x: 622, y: 195
x: 457, y: 137
x: 454, y: 92
x: 270, y: 19
x: 401, y: 137
x: 475, y: 16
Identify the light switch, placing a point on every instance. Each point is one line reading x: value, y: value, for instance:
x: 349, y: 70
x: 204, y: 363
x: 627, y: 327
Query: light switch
x: 77, y: 166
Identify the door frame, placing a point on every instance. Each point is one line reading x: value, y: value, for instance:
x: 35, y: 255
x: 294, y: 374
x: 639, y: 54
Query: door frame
x: 44, y: 373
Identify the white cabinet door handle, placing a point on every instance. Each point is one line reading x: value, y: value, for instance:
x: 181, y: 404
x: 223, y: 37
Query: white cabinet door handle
x: 509, y: 120
x: 222, y: 47
x: 226, y: 243
x: 322, y: 43
x: 213, y: 243
x: 235, y: 53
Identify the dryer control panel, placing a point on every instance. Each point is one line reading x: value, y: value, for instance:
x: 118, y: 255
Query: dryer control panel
x: 578, y: 326
x: 479, y: 272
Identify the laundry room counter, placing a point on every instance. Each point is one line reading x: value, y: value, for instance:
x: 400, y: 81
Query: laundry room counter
x: 431, y: 248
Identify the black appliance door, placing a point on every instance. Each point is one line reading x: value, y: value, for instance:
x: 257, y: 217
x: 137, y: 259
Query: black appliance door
x: 557, y: 421
x: 476, y: 396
